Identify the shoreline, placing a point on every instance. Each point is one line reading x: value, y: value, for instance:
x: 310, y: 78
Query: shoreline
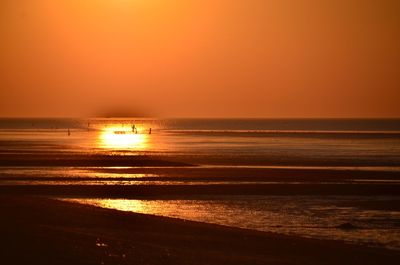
x: 47, y: 231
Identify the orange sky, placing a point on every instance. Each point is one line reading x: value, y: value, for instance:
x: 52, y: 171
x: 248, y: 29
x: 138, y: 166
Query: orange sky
x: 205, y: 58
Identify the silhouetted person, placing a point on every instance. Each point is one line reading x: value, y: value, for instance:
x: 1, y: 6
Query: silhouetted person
x: 133, y: 127
x: 69, y: 132
x: 150, y: 131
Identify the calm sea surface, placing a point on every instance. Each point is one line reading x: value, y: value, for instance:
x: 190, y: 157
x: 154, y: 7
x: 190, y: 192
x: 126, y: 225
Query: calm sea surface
x: 217, y: 144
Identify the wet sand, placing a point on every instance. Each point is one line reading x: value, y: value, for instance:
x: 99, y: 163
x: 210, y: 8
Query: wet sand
x: 185, y: 191
x: 43, y: 231
x: 259, y: 181
x: 82, y: 160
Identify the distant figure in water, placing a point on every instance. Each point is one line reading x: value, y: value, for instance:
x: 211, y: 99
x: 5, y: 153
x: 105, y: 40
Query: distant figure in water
x: 69, y: 132
x: 133, y: 127
x: 150, y: 131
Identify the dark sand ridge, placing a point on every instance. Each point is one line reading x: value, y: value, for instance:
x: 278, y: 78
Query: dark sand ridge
x: 93, y: 158
x: 83, y: 160
x: 307, y: 182
x: 183, y: 191
x: 204, y: 175
x: 192, y: 173
x: 44, y: 231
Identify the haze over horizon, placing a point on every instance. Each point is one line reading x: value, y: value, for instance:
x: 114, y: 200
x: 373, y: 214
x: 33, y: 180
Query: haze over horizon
x: 210, y: 58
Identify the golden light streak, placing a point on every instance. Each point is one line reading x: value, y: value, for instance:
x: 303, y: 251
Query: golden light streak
x: 123, y: 138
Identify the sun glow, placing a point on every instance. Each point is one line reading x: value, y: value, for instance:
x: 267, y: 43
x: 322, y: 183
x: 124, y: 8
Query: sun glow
x: 123, y: 138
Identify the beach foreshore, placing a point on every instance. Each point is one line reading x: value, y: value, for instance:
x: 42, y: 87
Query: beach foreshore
x: 37, y: 230
x: 183, y: 182
x: 185, y: 191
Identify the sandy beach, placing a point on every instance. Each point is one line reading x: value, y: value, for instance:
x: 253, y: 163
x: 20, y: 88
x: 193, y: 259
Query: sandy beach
x: 241, y: 199
x: 43, y: 231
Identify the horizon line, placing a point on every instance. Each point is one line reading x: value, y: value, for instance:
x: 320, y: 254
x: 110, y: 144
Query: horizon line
x: 205, y: 117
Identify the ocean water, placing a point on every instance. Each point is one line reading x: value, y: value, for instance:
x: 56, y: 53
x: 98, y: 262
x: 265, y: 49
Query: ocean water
x: 239, y: 152
x: 265, y: 142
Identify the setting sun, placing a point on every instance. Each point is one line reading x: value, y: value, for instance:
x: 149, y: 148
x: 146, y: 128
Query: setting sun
x: 122, y: 138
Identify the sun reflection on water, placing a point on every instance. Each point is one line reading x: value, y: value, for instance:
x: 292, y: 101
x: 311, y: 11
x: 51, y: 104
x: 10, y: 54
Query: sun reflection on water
x: 120, y: 204
x: 123, y: 138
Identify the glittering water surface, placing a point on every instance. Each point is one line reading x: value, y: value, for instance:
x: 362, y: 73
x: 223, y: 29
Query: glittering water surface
x: 308, y: 216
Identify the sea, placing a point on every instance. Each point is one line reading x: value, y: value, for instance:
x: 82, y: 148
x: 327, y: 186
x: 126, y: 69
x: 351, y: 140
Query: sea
x: 333, y: 179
